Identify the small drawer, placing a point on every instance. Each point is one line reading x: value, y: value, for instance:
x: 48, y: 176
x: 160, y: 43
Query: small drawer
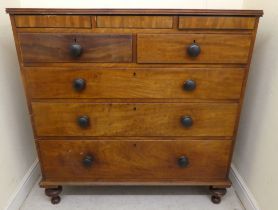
x: 181, y: 83
x: 62, y: 47
x: 193, y: 48
x: 134, y: 21
x: 53, y: 21
x: 205, y: 22
x: 129, y: 160
x: 134, y: 119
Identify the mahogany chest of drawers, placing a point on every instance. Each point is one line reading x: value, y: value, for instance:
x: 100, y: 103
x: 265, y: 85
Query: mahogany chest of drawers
x: 134, y: 97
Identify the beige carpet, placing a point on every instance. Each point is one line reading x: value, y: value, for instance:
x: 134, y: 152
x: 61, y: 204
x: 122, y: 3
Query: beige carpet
x: 131, y: 198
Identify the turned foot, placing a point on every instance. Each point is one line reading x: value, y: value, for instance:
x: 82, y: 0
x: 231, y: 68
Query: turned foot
x: 217, y: 193
x: 53, y: 193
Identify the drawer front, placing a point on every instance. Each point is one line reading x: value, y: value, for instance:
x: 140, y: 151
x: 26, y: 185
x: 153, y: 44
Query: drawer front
x: 133, y: 160
x: 135, y: 83
x: 174, y: 48
x: 53, y: 21
x: 134, y: 119
x: 216, y: 22
x: 134, y: 21
x: 55, y: 47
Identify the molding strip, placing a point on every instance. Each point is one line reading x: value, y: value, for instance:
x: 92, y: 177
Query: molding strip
x: 24, y: 187
x: 245, y: 195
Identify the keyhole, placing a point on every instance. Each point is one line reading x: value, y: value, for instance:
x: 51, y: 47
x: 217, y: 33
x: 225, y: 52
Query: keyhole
x: 134, y: 108
x: 75, y: 40
x: 134, y: 74
x: 135, y: 145
x: 194, y: 41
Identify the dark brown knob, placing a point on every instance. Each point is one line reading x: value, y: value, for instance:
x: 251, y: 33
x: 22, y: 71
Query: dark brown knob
x: 88, y: 160
x: 75, y: 50
x: 183, y: 161
x: 193, y: 50
x: 189, y: 85
x: 186, y: 121
x: 83, y: 121
x: 79, y: 84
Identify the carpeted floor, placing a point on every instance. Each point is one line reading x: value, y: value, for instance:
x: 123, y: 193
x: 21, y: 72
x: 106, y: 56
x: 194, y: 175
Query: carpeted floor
x: 131, y: 198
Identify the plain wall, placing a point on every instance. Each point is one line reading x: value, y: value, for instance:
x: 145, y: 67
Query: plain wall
x: 177, y: 4
x: 17, y: 152
x: 256, y: 156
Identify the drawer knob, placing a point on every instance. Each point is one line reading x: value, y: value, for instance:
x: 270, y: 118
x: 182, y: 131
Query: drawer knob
x: 79, y: 84
x: 189, y: 85
x: 83, y: 121
x: 186, y: 121
x: 75, y: 50
x: 88, y: 160
x: 194, y: 50
x: 183, y: 161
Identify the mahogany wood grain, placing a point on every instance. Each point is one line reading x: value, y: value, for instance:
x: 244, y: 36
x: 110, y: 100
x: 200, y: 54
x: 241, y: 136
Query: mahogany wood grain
x: 196, y: 12
x: 215, y: 48
x: 216, y: 22
x: 53, y: 21
x: 134, y: 160
x: 128, y: 21
x: 54, y: 47
x: 135, y: 83
x: 134, y: 119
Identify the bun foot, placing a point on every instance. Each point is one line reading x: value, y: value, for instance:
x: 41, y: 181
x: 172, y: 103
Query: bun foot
x: 217, y: 194
x: 55, y: 200
x: 215, y: 199
x: 53, y: 193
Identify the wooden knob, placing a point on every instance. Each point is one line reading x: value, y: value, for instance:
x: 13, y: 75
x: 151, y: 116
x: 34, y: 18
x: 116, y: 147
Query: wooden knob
x: 88, y: 160
x: 189, y: 85
x: 75, y: 50
x: 183, y: 161
x: 193, y: 50
x: 83, y: 121
x: 79, y: 84
x: 186, y: 121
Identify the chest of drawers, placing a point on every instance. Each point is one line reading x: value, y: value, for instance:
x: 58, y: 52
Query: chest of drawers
x: 134, y: 97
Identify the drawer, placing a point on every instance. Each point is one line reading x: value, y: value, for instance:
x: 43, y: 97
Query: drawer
x: 216, y: 83
x: 127, y: 160
x: 216, y: 22
x: 134, y: 119
x: 62, y: 47
x: 53, y: 21
x: 193, y: 48
x: 134, y: 21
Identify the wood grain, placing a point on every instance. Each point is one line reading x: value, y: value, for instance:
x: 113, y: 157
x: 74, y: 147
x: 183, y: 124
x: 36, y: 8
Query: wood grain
x: 133, y: 160
x: 197, y: 12
x: 215, y: 48
x: 53, y: 21
x: 134, y: 21
x: 55, y: 47
x: 134, y: 119
x: 216, y: 22
x: 215, y: 83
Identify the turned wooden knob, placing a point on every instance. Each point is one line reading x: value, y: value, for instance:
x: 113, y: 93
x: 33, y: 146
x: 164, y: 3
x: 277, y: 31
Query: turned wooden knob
x: 193, y: 50
x: 83, y: 121
x: 189, y: 85
x: 183, y: 161
x: 75, y: 50
x: 186, y: 121
x: 79, y: 84
x: 88, y: 161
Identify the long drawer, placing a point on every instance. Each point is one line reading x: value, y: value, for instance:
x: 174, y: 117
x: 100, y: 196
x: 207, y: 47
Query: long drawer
x: 63, y: 47
x: 76, y: 160
x: 134, y: 119
x: 193, y: 48
x: 135, y: 83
